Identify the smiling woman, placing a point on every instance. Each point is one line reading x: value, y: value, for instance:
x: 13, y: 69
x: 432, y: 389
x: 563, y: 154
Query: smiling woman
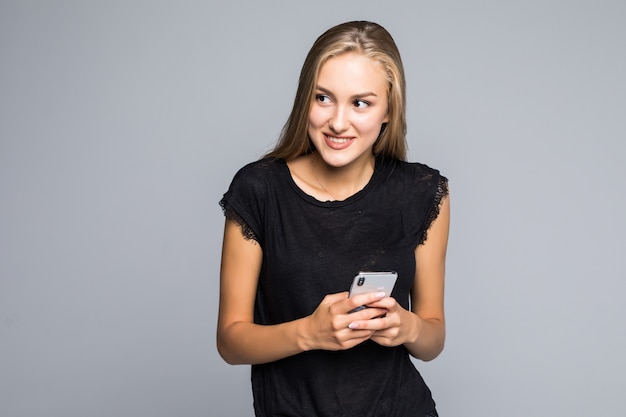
x: 336, y: 197
x: 349, y: 109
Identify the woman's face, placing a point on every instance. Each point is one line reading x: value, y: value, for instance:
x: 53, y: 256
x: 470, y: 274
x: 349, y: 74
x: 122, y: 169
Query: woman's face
x: 348, y: 110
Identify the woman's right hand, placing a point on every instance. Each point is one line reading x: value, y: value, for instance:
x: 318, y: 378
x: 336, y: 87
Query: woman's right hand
x: 240, y: 340
x: 327, y: 328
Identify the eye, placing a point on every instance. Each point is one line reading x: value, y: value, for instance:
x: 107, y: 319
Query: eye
x: 361, y: 104
x: 321, y: 98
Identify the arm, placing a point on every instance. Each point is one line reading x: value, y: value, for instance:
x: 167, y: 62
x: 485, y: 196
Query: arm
x: 240, y: 340
x: 427, y: 296
x: 421, y: 330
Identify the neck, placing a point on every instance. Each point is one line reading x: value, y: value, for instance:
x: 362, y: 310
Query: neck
x: 342, y: 182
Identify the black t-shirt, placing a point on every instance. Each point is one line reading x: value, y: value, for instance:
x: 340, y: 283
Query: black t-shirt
x: 313, y: 248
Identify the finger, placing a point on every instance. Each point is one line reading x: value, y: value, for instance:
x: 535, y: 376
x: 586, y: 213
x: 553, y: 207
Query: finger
x: 354, y: 336
x: 391, y: 334
x: 360, y: 325
x: 358, y: 334
x: 387, y: 303
x: 349, y: 343
x: 364, y: 299
x: 335, y: 298
x: 367, y: 313
x: 383, y: 340
x: 372, y: 324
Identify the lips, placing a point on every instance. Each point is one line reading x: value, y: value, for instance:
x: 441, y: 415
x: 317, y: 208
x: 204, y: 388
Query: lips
x: 338, y: 143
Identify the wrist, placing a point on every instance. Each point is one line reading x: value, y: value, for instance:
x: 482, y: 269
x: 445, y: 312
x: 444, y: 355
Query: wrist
x: 416, y: 328
x: 303, y: 338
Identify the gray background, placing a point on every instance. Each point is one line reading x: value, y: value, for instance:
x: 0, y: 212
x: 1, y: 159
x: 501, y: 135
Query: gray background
x: 122, y: 123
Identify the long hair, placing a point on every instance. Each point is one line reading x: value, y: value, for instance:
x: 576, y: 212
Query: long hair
x: 372, y: 41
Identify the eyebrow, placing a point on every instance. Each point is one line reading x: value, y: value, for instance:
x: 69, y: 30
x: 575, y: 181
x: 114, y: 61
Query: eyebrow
x: 354, y: 96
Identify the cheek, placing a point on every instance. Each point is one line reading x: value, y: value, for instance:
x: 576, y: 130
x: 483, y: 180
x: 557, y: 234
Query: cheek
x: 316, y: 117
x: 371, y: 124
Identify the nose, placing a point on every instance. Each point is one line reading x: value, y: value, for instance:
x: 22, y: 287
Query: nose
x: 338, y: 122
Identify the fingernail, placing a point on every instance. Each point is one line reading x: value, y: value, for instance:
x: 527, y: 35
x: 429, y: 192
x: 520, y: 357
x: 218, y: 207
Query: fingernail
x: 380, y: 294
x: 353, y: 325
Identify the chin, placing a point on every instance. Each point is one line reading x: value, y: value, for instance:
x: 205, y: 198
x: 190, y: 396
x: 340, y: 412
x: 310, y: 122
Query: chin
x: 336, y: 162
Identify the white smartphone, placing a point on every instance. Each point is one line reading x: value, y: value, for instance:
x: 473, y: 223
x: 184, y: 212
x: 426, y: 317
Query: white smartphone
x: 367, y: 282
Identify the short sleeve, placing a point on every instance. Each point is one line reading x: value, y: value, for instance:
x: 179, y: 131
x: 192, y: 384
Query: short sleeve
x: 244, y: 202
x: 440, y: 192
x: 424, y: 190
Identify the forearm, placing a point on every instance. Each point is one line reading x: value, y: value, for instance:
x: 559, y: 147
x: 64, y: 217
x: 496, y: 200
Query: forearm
x: 250, y: 343
x: 428, y: 338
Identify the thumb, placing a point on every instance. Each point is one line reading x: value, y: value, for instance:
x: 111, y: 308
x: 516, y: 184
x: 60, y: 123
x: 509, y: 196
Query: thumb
x: 335, y: 298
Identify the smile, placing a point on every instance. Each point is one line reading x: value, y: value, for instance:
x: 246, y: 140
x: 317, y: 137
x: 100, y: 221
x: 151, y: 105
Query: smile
x: 336, y: 143
x: 337, y: 140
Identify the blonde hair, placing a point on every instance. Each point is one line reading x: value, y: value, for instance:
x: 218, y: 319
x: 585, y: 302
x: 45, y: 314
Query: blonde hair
x: 370, y: 40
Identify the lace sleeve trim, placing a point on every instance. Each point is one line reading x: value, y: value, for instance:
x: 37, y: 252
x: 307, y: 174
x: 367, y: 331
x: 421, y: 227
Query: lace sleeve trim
x: 442, y: 191
x: 231, y: 214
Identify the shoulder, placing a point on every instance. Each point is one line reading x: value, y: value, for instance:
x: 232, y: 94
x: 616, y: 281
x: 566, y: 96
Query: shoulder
x: 422, y: 176
x: 257, y: 174
x: 247, y: 197
x: 428, y: 188
x: 419, y: 190
x: 254, y: 183
x: 260, y: 167
x: 421, y: 171
x: 413, y: 173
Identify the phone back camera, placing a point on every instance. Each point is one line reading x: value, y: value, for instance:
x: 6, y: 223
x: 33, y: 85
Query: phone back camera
x: 361, y: 281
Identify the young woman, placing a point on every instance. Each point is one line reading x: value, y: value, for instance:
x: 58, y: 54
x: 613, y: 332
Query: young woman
x: 333, y: 198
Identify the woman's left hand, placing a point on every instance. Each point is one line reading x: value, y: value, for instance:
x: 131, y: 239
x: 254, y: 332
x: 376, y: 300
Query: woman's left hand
x: 397, y: 327
x: 422, y: 330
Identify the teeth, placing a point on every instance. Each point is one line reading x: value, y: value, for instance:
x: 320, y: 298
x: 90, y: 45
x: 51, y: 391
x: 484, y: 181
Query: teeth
x: 337, y: 140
